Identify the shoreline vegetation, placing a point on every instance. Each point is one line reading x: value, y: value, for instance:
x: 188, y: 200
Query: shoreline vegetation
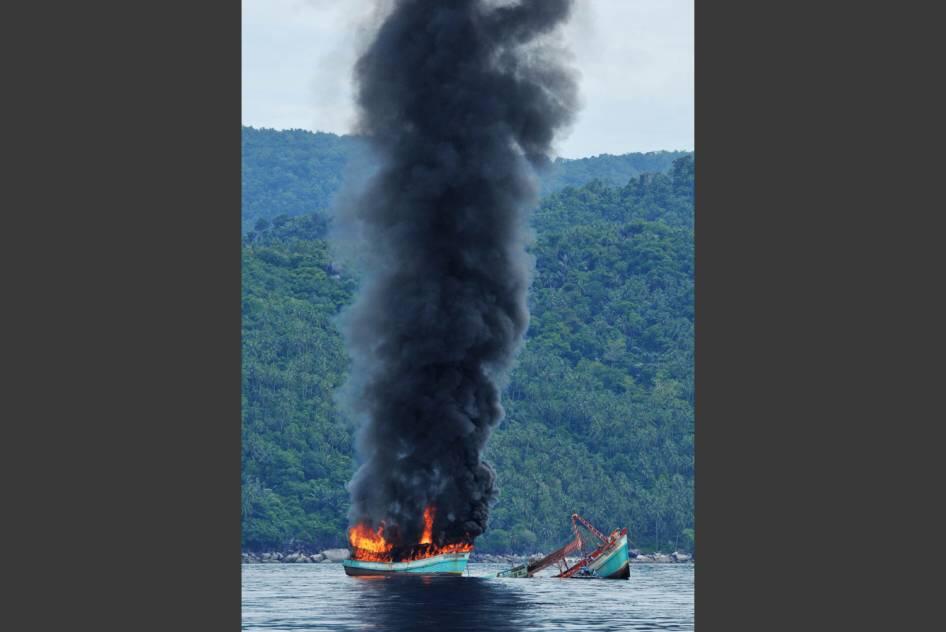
x: 335, y: 556
x: 599, y: 409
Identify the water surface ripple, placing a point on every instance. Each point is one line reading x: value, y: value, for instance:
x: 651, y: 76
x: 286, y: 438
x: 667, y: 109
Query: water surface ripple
x: 322, y: 597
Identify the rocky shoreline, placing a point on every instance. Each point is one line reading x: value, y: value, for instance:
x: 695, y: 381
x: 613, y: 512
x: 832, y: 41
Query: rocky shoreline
x: 676, y: 557
x: 328, y: 556
x: 334, y: 556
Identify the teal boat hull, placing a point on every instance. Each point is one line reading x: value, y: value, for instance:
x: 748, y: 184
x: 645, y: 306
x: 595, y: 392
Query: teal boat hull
x: 614, y: 563
x: 445, y: 564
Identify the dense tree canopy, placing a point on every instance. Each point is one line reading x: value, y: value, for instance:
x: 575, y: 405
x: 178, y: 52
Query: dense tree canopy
x: 599, y: 408
x: 294, y: 172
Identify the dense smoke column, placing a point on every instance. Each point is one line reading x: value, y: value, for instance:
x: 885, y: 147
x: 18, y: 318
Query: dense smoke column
x: 460, y: 100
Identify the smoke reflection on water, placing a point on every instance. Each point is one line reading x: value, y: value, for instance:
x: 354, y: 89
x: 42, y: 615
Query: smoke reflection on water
x: 321, y: 598
x: 438, y: 603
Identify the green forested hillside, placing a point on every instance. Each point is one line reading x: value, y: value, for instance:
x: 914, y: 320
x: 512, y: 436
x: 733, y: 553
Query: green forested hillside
x: 294, y: 172
x: 291, y: 172
x: 610, y: 169
x: 599, y: 408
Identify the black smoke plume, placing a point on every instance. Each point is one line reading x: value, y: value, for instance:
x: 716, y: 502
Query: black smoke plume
x: 460, y: 101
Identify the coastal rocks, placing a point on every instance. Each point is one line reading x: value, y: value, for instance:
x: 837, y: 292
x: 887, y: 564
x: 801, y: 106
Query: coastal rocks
x: 635, y: 556
x: 489, y: 558
x: 662, y: 558
x: 294, y: 557
x: 336, y: 555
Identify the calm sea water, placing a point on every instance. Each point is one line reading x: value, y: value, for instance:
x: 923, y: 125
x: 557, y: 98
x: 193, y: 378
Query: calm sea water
x: 322, y: 597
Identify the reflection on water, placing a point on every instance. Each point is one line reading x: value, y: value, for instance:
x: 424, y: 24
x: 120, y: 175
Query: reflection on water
x: 437, y: 603
x: 322, y: 597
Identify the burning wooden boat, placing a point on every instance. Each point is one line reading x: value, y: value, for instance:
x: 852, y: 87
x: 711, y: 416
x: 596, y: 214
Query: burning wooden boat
x: 372, y: 554
x: 438, y: 564
x: 608, y: 561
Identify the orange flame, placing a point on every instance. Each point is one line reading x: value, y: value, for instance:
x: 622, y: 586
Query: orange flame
x: 371, y: 546
x: 363, y: 538
x: 428, y: 525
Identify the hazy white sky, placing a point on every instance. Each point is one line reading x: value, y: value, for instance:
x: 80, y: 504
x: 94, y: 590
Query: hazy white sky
x: 635, y: 58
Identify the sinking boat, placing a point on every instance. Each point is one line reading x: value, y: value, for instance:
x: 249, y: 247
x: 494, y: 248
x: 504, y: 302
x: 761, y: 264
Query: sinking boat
x: 609, y: 560
x: 443, y: 564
